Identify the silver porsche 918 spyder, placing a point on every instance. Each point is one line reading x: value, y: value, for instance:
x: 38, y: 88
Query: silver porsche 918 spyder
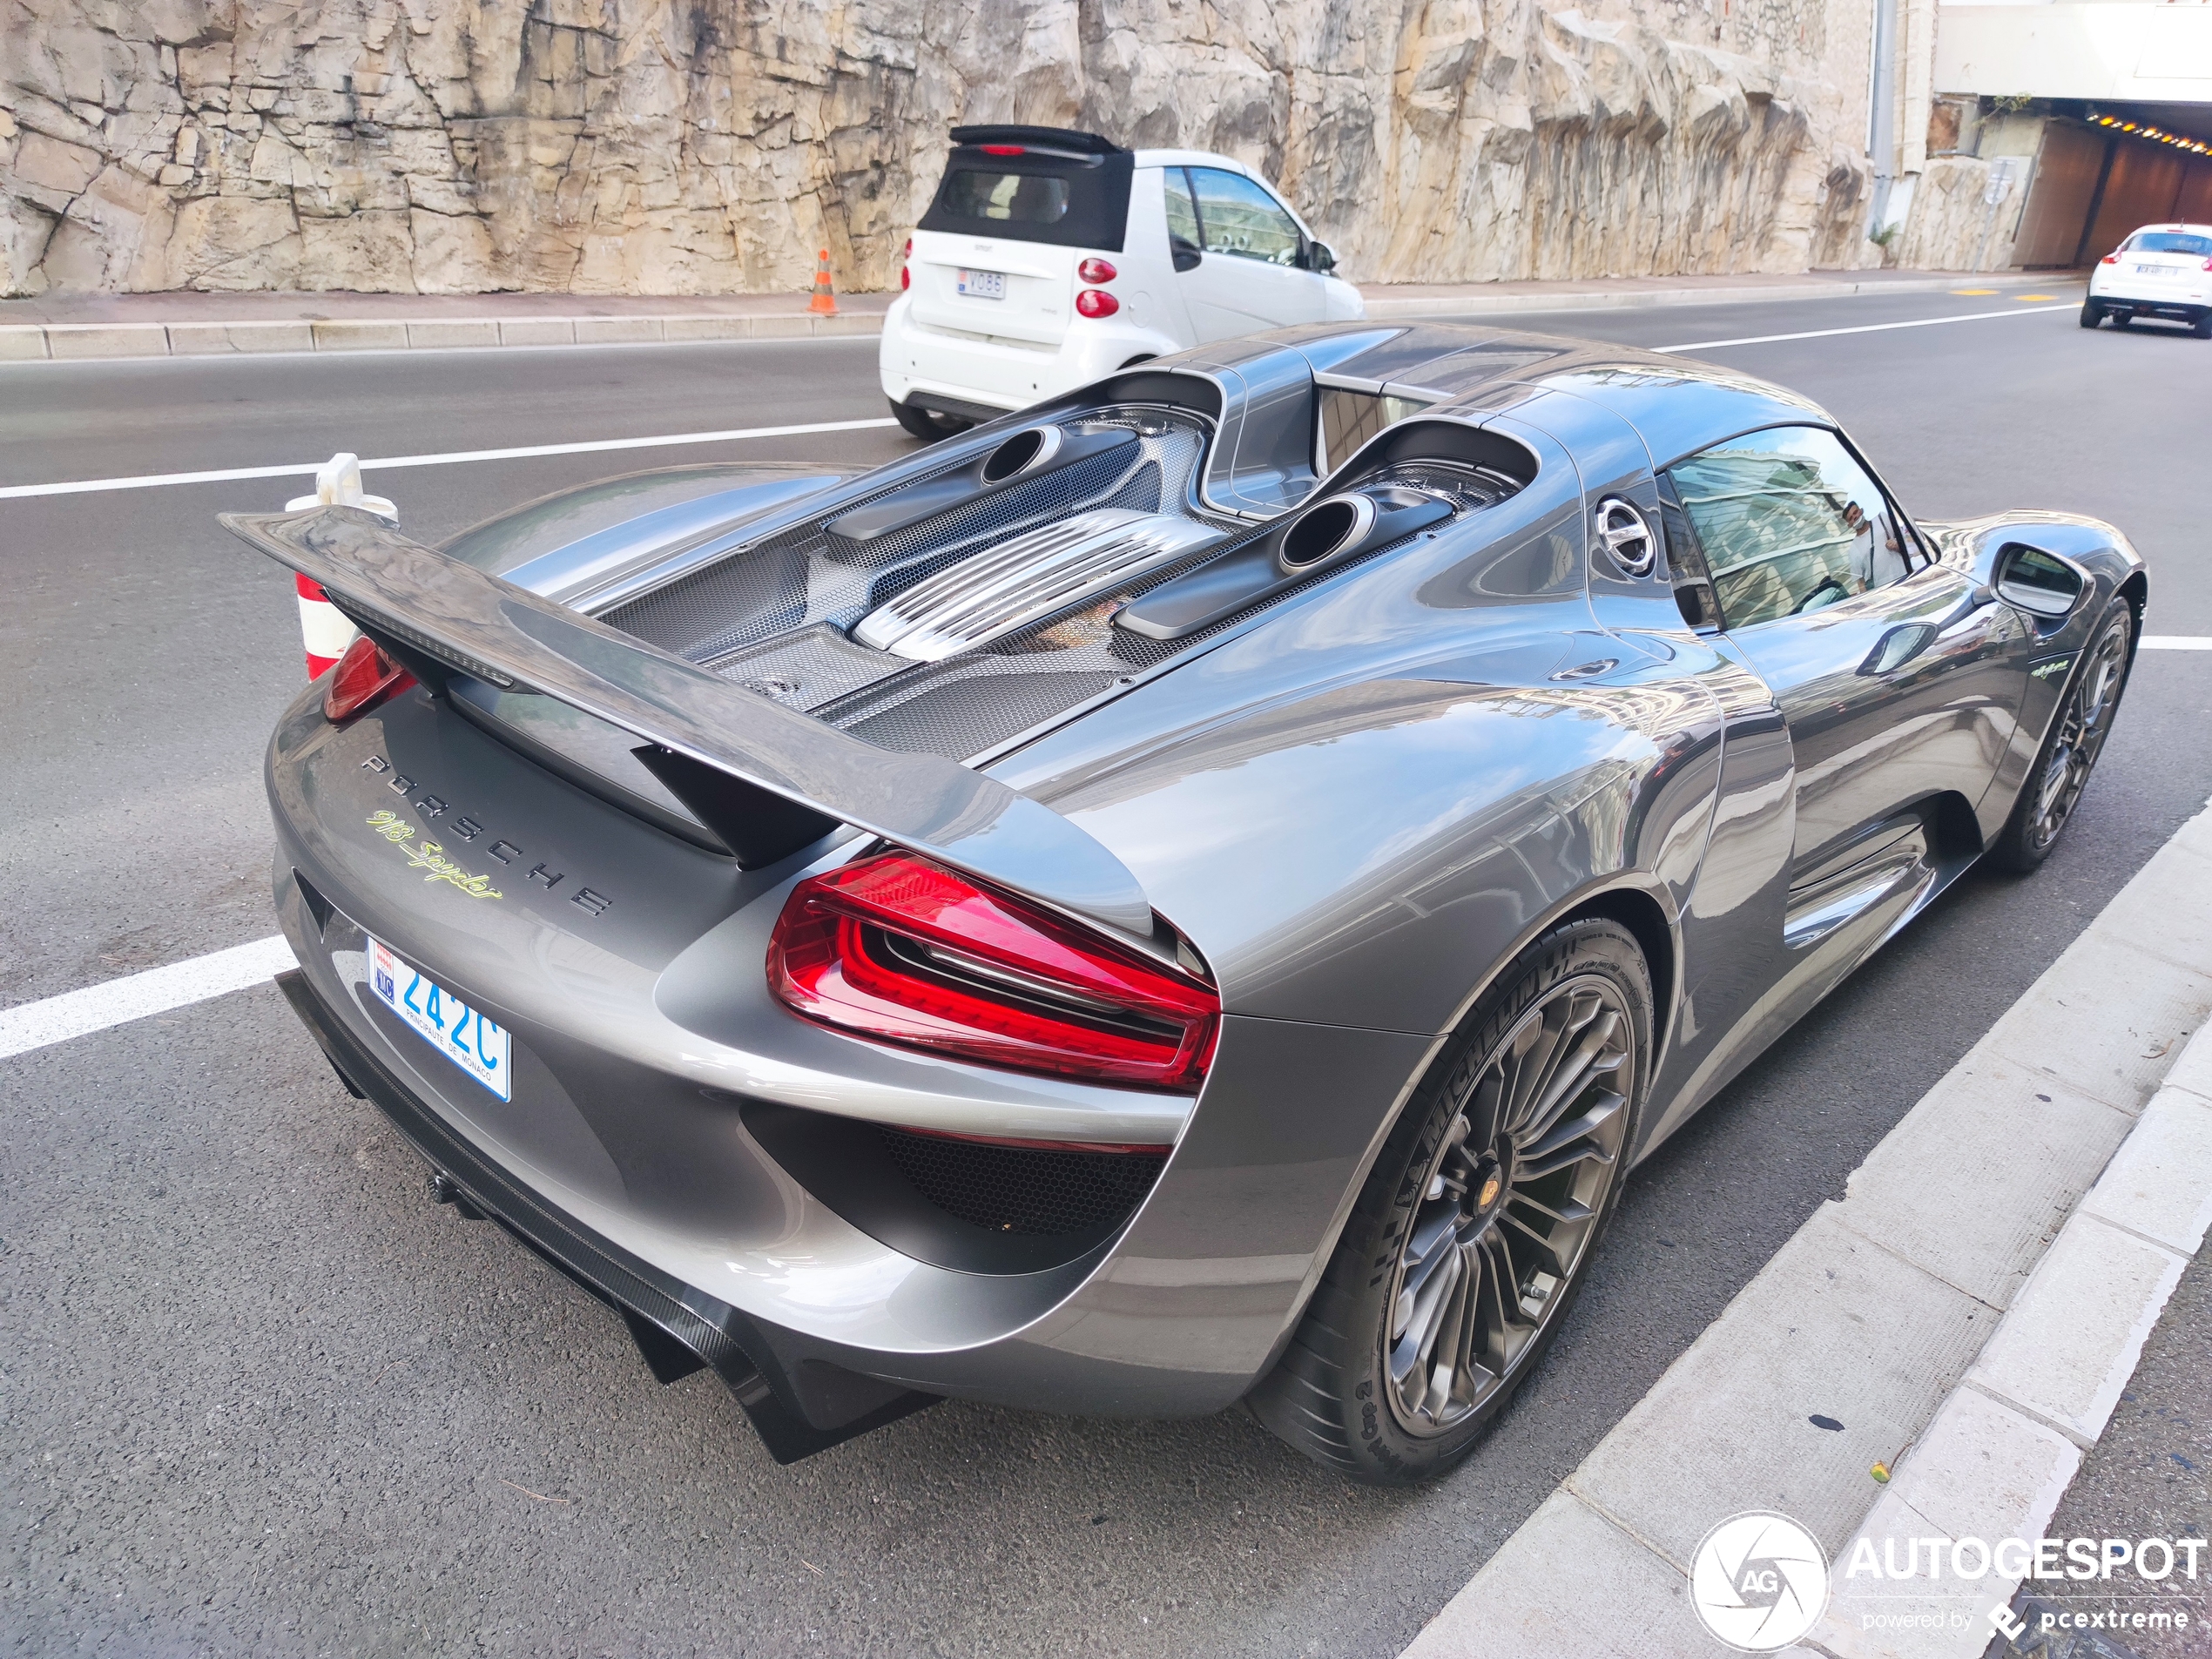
x: 1195, y: 892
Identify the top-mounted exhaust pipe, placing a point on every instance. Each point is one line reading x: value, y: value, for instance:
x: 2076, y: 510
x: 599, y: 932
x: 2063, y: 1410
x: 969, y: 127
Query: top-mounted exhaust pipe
x: 1030, y: 452
x: 1316, y: 538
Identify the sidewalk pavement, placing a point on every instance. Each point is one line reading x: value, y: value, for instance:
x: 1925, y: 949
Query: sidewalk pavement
x: 181, y: 324
x: 1967, y: 1318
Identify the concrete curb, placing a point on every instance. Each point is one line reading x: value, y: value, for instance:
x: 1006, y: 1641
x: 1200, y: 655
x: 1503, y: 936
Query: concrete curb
x: 1969, y: 1313
x: 76, y: 341
x: 85, y: 342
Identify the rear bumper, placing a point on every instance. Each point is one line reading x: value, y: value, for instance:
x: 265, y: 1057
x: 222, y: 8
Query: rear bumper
x: 796, y: 1410
x: 2187, y: 305
x: 956, y: 372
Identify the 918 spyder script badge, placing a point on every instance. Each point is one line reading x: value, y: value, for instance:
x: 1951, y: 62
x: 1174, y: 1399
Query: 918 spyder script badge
x: 431, y: 857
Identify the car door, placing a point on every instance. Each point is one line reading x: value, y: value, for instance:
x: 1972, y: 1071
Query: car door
x: 1239, y: 255
x: 1898, y: 678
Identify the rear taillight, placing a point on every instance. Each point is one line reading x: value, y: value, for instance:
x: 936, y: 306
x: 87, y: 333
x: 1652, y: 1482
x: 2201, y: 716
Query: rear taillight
x: 1096, y: 271
x: 1004, y: 149
x: 1096, y: 302
x: 2109, y: 259
x: 906, y: 256
x: 364, y: 677
x: 905, y: 952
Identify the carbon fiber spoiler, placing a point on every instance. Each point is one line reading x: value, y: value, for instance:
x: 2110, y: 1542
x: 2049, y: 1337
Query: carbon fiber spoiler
x: 477, y: 623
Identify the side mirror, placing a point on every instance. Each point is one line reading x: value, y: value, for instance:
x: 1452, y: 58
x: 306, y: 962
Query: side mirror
x: 2040, y: 584
x: 1186, y: 253
x: 1320, y: 256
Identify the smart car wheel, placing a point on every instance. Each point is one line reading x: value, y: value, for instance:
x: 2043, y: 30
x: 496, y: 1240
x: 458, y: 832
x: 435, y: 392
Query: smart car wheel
x: 923, y: 424
x: 2092, y: 314
x: 2077, y: 736
x: 1473, y: 1233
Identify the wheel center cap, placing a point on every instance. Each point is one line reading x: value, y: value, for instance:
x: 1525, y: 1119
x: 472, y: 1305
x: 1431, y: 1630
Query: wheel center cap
x: 1487, y: 1190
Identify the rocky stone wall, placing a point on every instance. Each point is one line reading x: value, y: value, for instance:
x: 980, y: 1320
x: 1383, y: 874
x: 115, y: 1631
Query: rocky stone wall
x: 688, y: 146
x: 1964, y: 214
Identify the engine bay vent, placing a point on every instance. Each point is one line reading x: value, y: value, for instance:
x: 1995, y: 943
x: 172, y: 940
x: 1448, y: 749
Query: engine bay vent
x: 1047, y: 570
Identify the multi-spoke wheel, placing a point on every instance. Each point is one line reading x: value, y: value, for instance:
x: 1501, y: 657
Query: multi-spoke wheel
x: 1509, y: 1203
x: 2077, y: 736
x: 1472, y: 1234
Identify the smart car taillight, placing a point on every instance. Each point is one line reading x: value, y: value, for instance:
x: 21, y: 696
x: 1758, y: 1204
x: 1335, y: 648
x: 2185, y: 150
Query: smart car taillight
x: 903, y: 950
x: 1098, y: 271
x: 1096, y: 302
x: 364, y: 677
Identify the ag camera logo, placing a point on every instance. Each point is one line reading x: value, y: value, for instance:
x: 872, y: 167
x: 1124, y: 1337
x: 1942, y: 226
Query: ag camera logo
x: 1759, y: 1581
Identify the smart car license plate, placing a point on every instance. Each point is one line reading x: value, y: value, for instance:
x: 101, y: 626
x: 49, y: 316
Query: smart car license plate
x: 982, y: 285
x: 440, y: 1019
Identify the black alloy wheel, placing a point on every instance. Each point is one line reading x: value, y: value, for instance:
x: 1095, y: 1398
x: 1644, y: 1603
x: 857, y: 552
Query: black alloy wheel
x: 2069, y: 752
x: 1474, y: 1231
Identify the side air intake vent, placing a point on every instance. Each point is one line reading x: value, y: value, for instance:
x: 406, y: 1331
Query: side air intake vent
x: 1026, y: 1190
x: 979, y: 599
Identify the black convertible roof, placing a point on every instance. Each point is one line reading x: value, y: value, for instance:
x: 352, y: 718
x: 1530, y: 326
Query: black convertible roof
x: 1087, y: 143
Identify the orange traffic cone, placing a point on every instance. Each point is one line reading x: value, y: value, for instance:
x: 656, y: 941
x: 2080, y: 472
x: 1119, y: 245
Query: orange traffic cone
x: 824, y: 304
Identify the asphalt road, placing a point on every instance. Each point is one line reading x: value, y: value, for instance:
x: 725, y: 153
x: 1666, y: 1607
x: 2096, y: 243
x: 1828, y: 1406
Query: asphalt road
x: 260, y: 1396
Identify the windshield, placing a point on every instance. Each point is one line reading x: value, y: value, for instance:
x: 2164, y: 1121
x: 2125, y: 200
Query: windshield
x: 2170, y: 242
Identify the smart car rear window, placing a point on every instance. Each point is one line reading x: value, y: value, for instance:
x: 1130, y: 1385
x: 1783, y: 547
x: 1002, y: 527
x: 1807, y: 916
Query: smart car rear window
x: 2172, y: 242
x: 1013, y: 197
x: 1028, y: 196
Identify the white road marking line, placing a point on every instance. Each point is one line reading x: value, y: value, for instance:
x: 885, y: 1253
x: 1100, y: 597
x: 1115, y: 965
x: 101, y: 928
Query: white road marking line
x: 133, y: 997
x: 450, y: 458
x: 1865, y: 328
x: 2175, y: 642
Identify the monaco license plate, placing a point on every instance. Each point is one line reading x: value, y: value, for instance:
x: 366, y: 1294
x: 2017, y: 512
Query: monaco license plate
x: 440, y: 1019
x: 981, y: 284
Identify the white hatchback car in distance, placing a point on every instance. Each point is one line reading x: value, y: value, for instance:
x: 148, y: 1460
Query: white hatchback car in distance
x: 1050, y: 257
x: 2161, y: 271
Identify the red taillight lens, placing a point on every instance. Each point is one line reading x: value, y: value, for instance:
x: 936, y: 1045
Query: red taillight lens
x: 905, y: 253
x: 905, y: 952
x: 1004, y: 149
x: 1096, y: 302
x: 364, y: 677
x: 1096, y: 271
x: 2110, y: 259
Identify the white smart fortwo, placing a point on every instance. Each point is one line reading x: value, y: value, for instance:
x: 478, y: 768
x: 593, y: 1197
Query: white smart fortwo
x: 1050, y: 257
x: 2162, y: 270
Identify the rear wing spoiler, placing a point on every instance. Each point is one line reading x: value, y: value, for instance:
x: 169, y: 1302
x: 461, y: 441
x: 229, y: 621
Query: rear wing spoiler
x: 767, y: 778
